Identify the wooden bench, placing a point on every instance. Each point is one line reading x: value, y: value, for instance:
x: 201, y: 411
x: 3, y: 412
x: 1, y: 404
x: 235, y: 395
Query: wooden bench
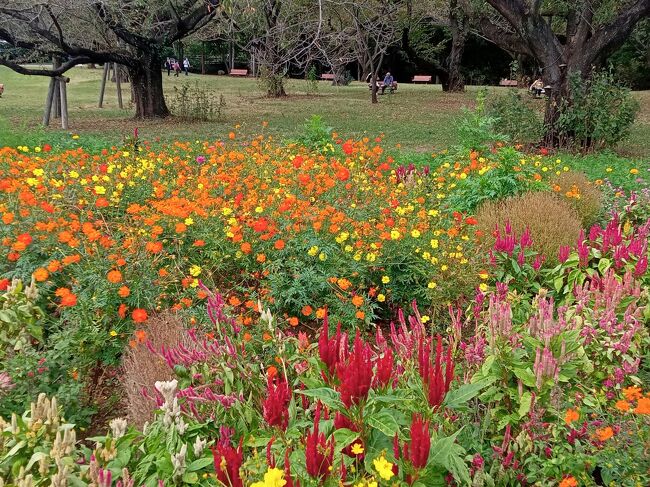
x: 238, y: 72
x: 2, y: 88
x: 508, y: 82
x: 327, y: 76
x: 421, y: 78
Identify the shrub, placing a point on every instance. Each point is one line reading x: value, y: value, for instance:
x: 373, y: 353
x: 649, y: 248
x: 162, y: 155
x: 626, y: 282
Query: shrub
x: 517, y: 118
x: 582, y: 195
x: 552, y: 222
x: 477, y: 129
x: 312, y: 79
x: 194, y: 101
x: 597, y: 114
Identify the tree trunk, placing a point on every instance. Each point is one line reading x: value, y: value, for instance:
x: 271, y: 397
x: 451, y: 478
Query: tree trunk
x: 147, y: 83
x: 458, y: 24
x: 559, y: 87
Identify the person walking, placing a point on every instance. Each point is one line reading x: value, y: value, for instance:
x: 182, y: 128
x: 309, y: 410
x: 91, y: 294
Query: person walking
x: 186, y: 66
x: 168, y: 66
x: 177, y: 68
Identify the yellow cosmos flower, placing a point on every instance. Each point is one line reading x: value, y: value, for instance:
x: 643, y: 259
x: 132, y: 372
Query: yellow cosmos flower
x: 357, y: 449
x: 385, y: 279
x: 434, y: 243
x: 195, y: 270
x: 415, y: 233
x: 394, y: 234
x: 383, y: 467
x: 313, y: 251
x: 274, y: 477
x: 100, y: 190
x: 381, y: 298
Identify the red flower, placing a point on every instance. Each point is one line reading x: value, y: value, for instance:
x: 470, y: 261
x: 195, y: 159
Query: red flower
x: 355, y: 375
x: 347, y: 147
x: 4, y: 284
x: 319, y: 452
x: 227, y: 462
x: 330, y: 350
x: 343, y: 174
x: 276, y: 404
x: 436, y: 384
x: 417, y: 451
x: 139, y: 315
x: 470, y: 220
x: 384, y: 368
x: 341, y: 421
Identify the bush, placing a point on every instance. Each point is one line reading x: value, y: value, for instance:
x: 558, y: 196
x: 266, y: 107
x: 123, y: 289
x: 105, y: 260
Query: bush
x: 582, y: 195
x: 477, y: 129
x: 598, y: 113
x: 518, y: 118
x: 552, y: 222
x: 194, y: 101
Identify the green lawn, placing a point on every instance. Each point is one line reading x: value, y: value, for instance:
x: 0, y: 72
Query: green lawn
x: 419, y: 117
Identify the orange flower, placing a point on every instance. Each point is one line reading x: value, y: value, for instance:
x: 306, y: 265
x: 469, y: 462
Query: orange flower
x: 261, y: 258
x: 139, y: 315
x: 54, y: 266
x: 271, y: 372
x: 643, y: 406
x: 622, y: 405
x: 61, y: 292
x: 248, y: 337
x: 154, y: 247
x: 306, y: 310
x: 124, y: 292
x: 604, y: 434
x: 246, y: 248
x: 234, y: 301
x: 141, y: 336
x: 344, y: 284
x: 199, y: 243
x: 632, y: 393
x: 41, y: 274
x: 69, y: 300
x: 279, y: 244
x: 569, y: 481
x: 7, y: 218
x: 121, y: 311
x: 114, y: 276
x: 293, y: 321
x: 180, y: 227
x: 360, y: 315
x: 320, y: 313
x: 571, y: 416
x: 357, y: 300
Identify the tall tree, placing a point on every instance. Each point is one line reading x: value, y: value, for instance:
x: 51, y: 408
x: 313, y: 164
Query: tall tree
x: 128, y: 32
x: 565, y: 37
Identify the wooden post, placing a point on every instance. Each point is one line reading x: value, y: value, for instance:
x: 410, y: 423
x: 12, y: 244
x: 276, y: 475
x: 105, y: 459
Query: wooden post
x: 64, y: 103
x: 202, y: 57
x: 102, y: 89
x: 118, y: 85
x: 48, y: 102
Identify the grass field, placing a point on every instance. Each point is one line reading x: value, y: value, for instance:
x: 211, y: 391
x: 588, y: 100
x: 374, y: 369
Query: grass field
x: 419, y: 117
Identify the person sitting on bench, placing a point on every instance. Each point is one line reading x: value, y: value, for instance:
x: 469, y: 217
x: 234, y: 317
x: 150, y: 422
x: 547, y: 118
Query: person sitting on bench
x: 537, y: 87
x: 388, y: 82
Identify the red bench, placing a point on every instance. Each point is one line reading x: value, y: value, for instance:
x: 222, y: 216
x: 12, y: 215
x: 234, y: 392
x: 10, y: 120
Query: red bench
x: 421, y: 78
x: 2, y: 88
x: 238, y: 72
x: 327, y: 76
x: 508, y: 82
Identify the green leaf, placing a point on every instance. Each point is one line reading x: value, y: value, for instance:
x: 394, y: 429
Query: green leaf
x: 557, y: 283
x: 199, y: 464
x: 459, y: 397
x: 384, y: 421
x: 327, y: 396
x: 525, y: 403
x: 36, y: 457
x: 344, y: 437
x: 603, y: 265
x: 190, y: 478
x: 526, y: 376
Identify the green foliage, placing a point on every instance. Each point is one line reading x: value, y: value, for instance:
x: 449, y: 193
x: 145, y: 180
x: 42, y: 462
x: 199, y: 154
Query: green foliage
x: 195, y: 102
x: 20, y: 319
x: 312, y: 80
x: 598, y: 112
x: 477, y: 129
x: 316, y: 135
x: 519, y: 119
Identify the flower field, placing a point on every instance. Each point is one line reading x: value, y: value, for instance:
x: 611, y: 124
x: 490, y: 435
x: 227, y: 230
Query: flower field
x: 320, y: 312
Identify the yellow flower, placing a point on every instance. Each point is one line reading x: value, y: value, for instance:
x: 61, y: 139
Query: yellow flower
x: 188, y: 221
x: 434, y: 244
x: 113, y: 333
x: 381, y: 298
x: 357, y: 449
x: 274, y: 477
x: 425, y: 318
x: 483, y: 287
x: 385, y: 279
x: 226, y: 211
x: 313, y: 250
x: 415, y: 233
x: 38, y: 172
x: 634, y: 171
x: 100, y: 190
x: 75, y: 136
x: 322, y: 256
x: 394, y: 234
x: 432, y: 285
x: 609, y: 169
x: 383, y: 467
x: 195, y: 271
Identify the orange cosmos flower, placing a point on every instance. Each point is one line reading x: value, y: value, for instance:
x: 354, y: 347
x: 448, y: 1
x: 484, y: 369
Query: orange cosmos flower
x: 569, y: 481
x: 306, y: 310
x: 571, y: 416
x: 261, y: 258
x: 271, y: 372
x: 360, y: 315
x: 643, y: 406
x: 199, y: 243
x: 7, y: 218
x: 622, y: 405
x: 41, y: 274
x: 54, y: 266
x: 293, y: 321
x: 234, y: 301
x: 246, y: 248
x: 279, y: 244
x: 69, y: 300
x: 61, y: 292
x: 180, y: 227
x: 121, y: 311
x: 632, y: 393
x: 139, y: 315
x: 357, y: 300
x: 141, y: 336
x: 114, y: 276
x: 124, y: 292
x: 154, y: 247
x: 604, y: 434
